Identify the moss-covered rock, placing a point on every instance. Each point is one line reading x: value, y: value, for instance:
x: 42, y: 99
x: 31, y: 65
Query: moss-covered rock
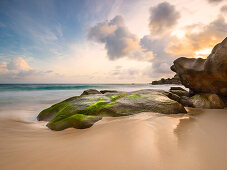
x: 208, y: 101
x: 83, y: 111
x: 79, y: 121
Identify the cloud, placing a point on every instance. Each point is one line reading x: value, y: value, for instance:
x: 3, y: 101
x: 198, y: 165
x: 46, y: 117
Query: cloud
x: 215, y: 1
x: 162, y: 46
x: 224, y: 9
x: 18, y: 64
x: 161, y: 60
x: 119, y: 41
x: 125, y: 73
x: 19, y: 70
x: 205, y: 38
x: 163, y: 17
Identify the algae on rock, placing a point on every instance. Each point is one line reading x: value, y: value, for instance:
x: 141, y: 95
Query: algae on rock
x: 83, y: 111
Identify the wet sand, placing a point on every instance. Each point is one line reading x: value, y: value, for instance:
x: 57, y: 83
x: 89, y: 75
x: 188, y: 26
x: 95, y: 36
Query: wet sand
x: 144, y: 141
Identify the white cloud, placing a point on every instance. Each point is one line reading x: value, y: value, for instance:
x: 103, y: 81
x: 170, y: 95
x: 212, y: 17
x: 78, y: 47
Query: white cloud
x: 163, y: 17
x: 18, y: 70
x: 119, y: 41
x: 214, y: 1
x: 18, y: 64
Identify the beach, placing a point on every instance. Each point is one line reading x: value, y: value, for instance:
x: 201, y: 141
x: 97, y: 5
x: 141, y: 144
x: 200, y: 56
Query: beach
x: 196, y: 140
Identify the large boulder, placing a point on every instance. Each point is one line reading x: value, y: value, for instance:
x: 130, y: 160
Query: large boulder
x: 205, y: 75
x: 207, y: 101
x: 83, y: 111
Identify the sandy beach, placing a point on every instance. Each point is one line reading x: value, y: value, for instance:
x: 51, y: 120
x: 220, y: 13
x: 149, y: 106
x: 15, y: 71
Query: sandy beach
x: 144, y: 141
x: 113, y: 85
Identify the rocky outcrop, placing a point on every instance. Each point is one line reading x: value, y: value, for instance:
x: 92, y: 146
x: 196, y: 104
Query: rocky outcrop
x: 204, y: 100
x: 207, y: 101
x: 179, y: 91
x: 205, y: 75
x: 180, y: 95
x: 83, y: 111
x: 174, y: 80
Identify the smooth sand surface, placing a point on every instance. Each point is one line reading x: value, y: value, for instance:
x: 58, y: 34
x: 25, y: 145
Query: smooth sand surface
x: 194, y: 141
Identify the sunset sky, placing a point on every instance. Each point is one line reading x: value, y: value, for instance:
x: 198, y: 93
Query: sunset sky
x: 104, y: 41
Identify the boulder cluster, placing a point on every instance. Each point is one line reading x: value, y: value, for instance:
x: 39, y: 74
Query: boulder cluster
x: 202, y: 100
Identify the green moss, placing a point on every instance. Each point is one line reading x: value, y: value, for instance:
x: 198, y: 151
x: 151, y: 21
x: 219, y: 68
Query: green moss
x: 96, y: 107
x: 153, y: 96
x: 64, y: 112
x: 134, y: 96
x: 79, y: 121
x: 115, y: 97
x: 51, y: 111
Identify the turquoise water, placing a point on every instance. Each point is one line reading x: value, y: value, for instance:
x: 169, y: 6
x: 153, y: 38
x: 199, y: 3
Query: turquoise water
x: 27, y: 100
x: 33, y: 87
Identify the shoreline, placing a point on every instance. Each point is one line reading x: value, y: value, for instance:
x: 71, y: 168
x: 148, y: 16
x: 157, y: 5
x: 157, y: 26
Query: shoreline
x: 143, y: 141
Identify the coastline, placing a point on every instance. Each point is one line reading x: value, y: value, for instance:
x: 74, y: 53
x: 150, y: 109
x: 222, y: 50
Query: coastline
x: 143, y: 141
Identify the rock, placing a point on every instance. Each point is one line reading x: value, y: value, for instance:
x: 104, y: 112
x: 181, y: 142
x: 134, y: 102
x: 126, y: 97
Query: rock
x: 224, y: 99
x: 207, y: 101
x: 205, y: 75
x: 83, y: 111
x: 180, y: 95
x: 186, y: 101
x: 177, y: 88
x: 180, y: 92
x: 90, y: 91
x: 173, y: 96
x: 108, y: 91
x: 174, y: 80
x: 78, y: 121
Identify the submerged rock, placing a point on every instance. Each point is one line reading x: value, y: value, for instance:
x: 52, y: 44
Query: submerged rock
x: 83, y: 111
x: 205, y: 75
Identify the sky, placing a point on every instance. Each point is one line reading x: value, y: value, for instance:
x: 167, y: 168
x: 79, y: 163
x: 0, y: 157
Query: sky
x: 104, y: 41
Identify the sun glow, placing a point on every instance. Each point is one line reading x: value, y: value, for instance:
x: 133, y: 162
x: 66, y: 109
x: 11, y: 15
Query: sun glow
x: 178, y: 33
x: 203, y: 53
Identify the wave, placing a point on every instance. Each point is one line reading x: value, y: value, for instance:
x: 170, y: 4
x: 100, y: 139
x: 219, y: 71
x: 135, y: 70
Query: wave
x: 31, y: 87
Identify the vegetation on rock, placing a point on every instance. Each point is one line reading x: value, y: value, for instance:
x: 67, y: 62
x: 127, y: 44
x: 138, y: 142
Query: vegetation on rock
x: 83, y: 111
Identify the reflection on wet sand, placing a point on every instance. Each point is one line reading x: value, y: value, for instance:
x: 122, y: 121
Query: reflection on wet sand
x: 203, y: 136
x: 143, y: 141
